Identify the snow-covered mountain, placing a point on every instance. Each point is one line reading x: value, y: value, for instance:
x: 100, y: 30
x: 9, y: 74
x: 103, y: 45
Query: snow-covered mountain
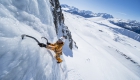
x: 95, y: 49
x: 132, y: 25
x: 84, y: 13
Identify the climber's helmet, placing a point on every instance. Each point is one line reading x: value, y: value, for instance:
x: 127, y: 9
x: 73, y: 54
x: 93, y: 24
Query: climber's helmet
x: 61, y: 39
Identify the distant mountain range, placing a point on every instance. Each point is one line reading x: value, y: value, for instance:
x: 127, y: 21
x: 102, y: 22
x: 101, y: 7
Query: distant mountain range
x: 132, y: 25
x: 84, y: 13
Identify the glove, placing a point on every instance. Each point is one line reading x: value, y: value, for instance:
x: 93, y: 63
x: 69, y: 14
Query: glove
x: 48, y: 43
x: 42, y: 45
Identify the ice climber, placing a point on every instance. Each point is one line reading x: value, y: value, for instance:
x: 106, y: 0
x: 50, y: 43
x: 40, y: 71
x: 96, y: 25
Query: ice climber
x: 56, y: 47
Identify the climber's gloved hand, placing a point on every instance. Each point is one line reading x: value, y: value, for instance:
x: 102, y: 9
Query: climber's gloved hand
x: 48, y: 43
x: 42, y: 45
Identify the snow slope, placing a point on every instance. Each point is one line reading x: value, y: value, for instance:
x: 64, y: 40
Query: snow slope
x: 104, y: 53
x: 131, y: 25
x: 24, y: 59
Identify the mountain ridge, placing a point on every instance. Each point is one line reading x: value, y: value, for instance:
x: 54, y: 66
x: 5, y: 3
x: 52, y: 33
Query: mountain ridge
x: 132, y: 25
x: 84, y: 13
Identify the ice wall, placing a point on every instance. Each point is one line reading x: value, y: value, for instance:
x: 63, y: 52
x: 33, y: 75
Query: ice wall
x: 24, y: 59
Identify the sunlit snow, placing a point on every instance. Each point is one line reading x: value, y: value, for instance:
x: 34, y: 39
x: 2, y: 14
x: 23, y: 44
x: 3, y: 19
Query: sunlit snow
x: 104, y: 52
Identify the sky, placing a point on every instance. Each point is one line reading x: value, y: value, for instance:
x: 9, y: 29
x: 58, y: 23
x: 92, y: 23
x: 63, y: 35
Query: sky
x: 123, y: 9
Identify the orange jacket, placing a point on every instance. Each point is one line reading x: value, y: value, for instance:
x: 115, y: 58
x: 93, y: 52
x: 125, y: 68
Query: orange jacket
x: 56, y: 47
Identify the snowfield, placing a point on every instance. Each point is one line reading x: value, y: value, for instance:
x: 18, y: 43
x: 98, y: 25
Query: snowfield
x: 104, y: 53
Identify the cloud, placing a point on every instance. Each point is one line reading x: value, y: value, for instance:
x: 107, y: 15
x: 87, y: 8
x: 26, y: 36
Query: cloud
x: 122, y: 13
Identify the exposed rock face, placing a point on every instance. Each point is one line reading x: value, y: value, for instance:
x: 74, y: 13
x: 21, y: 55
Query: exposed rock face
x: 58, y: 17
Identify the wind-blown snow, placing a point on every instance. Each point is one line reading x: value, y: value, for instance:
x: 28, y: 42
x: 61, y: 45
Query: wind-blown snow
x: 24, y: 59
x: 104, y: 53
